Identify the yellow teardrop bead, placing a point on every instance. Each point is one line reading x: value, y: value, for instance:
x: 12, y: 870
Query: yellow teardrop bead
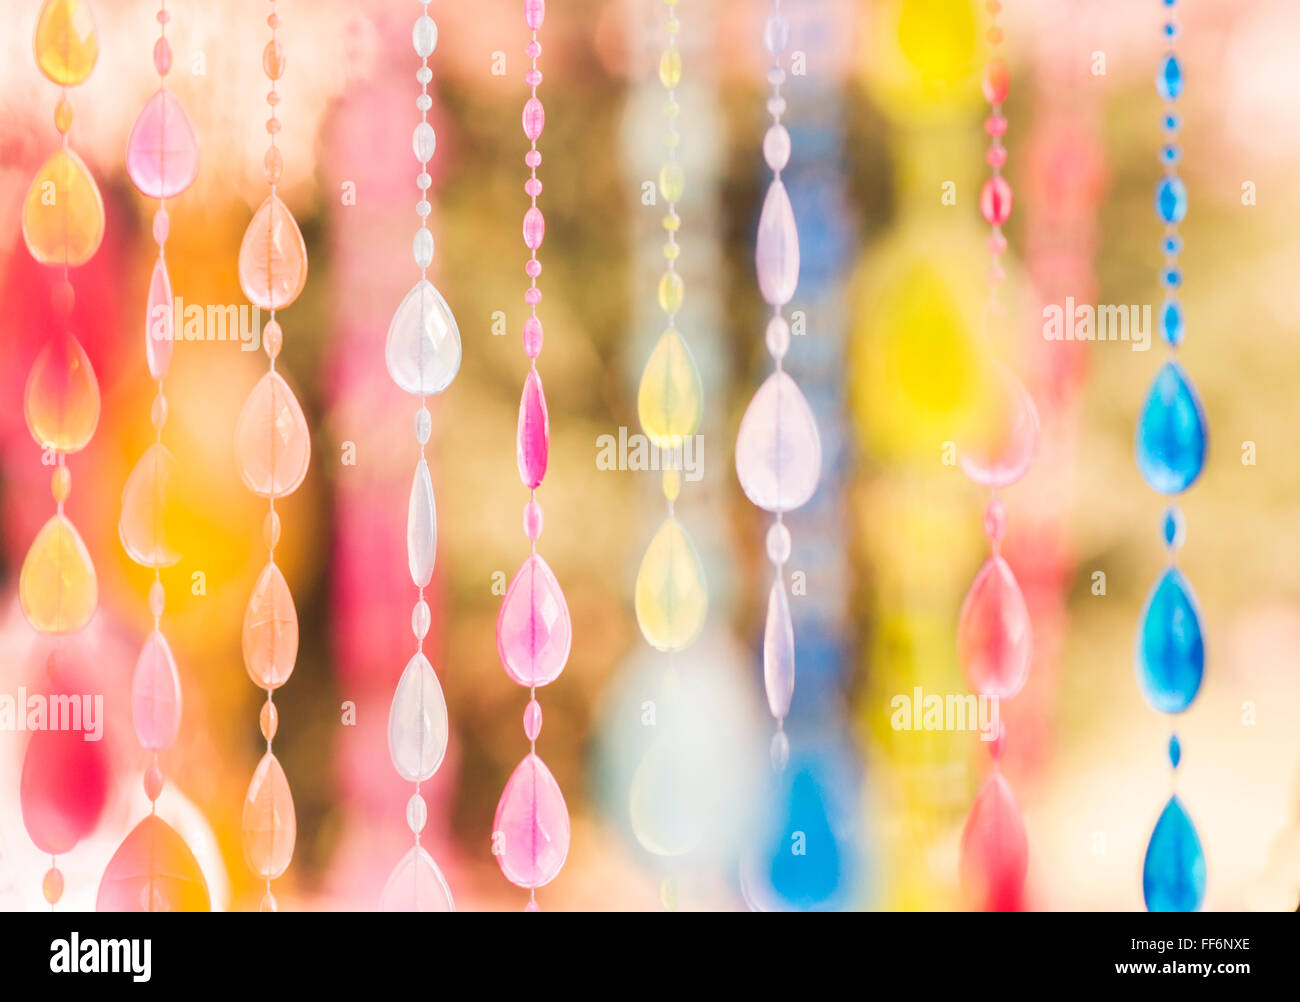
x: 66, y: 45
x: 672, y: 598
x: 61, y: 398
x: 142, y: 525
x: 63, y: 214
x: 57, y: 587
x: 669, y: 401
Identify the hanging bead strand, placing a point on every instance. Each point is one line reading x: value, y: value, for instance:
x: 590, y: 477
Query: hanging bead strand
x: 530, y: 832
x: 422, y: 353
x: 153, y: 869
x: 273, y: 448
x: 778, y: 447
x: 62, y: 225
x: 1172, y: 440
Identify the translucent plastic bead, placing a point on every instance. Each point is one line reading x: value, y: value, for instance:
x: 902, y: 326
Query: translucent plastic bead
x: 1175, y: 751
x: 534, y: 119
x: 1172, y: 325
x: 779, y: 751
x: 423, y: 425
x: 273, y: 60
x: 417, y: 813
x: 162, y: 152
x: 1173, y: 527
x: 994, y: 638
x: 162, y: 57
x: 1004, y: 448
x: 270, y: 827
x: 532, y: 187
x: 996, y: 125
x: 995, y: 521
x: 778, y: 651
x: 52, y: 885
x: 669, y: 400
x: 672, y: 182
x: 533, y: 78
x: 60, y: 483
x: 670, y: 68
x: 272, y: 441
x: 66, y: 43
x: 272, y: 257
x: 1171, y: 200
x: 532, y: 336
x: 157, y: 599
x: 1169, y: 78
x: 143, y: 525
x: 422, y: 247
x: 996, y: 82
x: 533, y: 433
x: 1173, y: 871
x: 421, y: 527
x: 534, y: 13
x: 153, y: 870
x: 672, y: 484
x: 424, y: 36
x: 61, y: 398
x: 778, y: 449
x: 271, y: 530
x: 270, y: 635
x: 57, y: 588
x: 672, y: 291
x: 533, y: 520
x: 533, y: 49
x: 423, y: 142
x: 534, y: 228
x: 534, y: 631
x: 778, y: 543
x: 1171, y: 647
x: 532, y: 719
x: 1171, y: 436
x: 423, y: 349
x: 776, y: 147
x: 416, y: 885
x: 423, y: 75
x: 995, y: 201
x: 62, y: 789
x: 530, y: 832
x: 156, y: 695
x: 268, y: 903
x: 273, y: 165
x: 533, y: 159
x: 777, y: 337
x: 63, y: 116
x: 153, y: 782
x: 268, y: 720
x: 421, y: 618
x: 671, y: 596
x: 994, y: 848
x: 776, y: 248
x: 159, y: 333
x: 63, y: 213
x: 417, y: 722
x: 776, y: 34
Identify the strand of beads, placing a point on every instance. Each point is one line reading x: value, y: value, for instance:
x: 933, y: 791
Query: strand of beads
x: 62, y: 225
x: 1171, y: 444
x: 778, y: 448
x: 994, y: 634
x: 530, y: 832
x: 153, y: 869
x: 273, y: 448
x: 423, y: 354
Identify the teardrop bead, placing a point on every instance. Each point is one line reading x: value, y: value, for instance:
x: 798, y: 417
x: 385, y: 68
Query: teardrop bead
x: 778, y: 450
x: 272, y: 257
x: 269, y: 825
x: 162, y: 152
x: 669, y: 401
x: 776, y: 249
x: 1171, y: 434
x: 423, y: 348
x: 416, y: 885
x: 1173, y: 872
x: 153, y: 870
x: 142, y: 525
x: 778, y: 652
x: 534, y: 631
x: 156, y: 694
x: 61, y: 398
x: 995, y: 643
x: 159, y: 322
x: 1171, y: 648
x: 66, y: 43
x: 270, y: 638
x: 62, y: 789
x: 666, y: 800
x: 417, y: 722
x: 533, y: 433
x: 994, y: 849
x: 672, y: 598
x: 63, y: 214
x: 421, y: 527
x: 57, y: 587
x: 530, y: 833
x: 1004, y: 448
x: 272, y: 443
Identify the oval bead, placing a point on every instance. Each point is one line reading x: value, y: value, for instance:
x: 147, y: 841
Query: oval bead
x: 669, y: 400
x: 272, y: 257
x: 156, y: 694
x: 776, y: 249
x: 272, y: 443
x: 1173, y: 871
x: 57, y: 588
x: 63, y: 213
x: 270, y: 636
x: 417, y: 722
x: 66, y: 43
x: 994, y: 848
x: 778, y: 651
x: 63, y: 788
x: 61, y: 398
x: 995, y: 645
x: 159, y: 322
x: 1170, y: 647
x: 421, y: 527
x: 416, y: 885
x: 1171, y: 199
x: 778, y: 450
x: 534, y: 118
x: 1169, y: 78
x: 534, y: 228
x: 1171, y: 433
x: 162, y: 152
x: 270, y: 827
x: 142, y: 525
x: 672, y: 598
x: 531, y: 828
x: 533, y: 433
x: 153, y: 870
x: 423, y: 349
x: 534, y: 631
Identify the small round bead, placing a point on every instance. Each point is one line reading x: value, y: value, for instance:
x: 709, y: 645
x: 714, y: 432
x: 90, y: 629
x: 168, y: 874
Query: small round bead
x: 271, y: 530
x: 532, y: 267
x: 776, y: 106
x: 995, y: 35
x: 533, y: 296
x: 776, y: 76
x: 533, y: 719
x: 153, y: 782
x: 995, y: 201
x: 532, y: 187
x: 52, y: 885
x: 272, y: 338
x: 163, y: 17
x: 424, y: 102
x: 417, y: 813
x: 533, y: 78
x: 423, y: 75
x: 995, y: 520
x: 423, y: 208
x: 423, y: 180
x: 997, y: 244
x: 780, y: 751
x: 421, y: 617
x: 61, y: 483
x: 422, y: 247
x: 533, y: 49
x: 996, y: 125
x: 157, y: 599
x: 777, y: 337
x: 273, y: 20
x: 776, y: 147
x: 532, y: 337
x: 269, y: 720
x: 272, y: 125
x: 424, y: 36
x: 272, y: 98
x: 996, y: 156
x: 533, y: 520
x: 533, y: 158
x: 423, y: 425
x: 778, y: 544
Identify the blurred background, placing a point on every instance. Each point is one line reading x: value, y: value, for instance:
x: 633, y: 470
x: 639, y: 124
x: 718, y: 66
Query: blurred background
x: 888, y: 111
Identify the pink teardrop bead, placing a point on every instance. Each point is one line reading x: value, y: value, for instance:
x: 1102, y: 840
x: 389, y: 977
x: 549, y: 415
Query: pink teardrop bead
x: 159, y: 332
x: 162, y: 153
x: 530, y: 834
x: 270, y: 636
x: 153, y: 870
x: 270, y: 826
x: 534, y: 631
x: 995, y: 201
x: 994, y: 849
x: 534, y: 118
x: 63, y: 788
x: 534, y: 228
x: 533, y: 435
x: 994, y: 640
x: 534, y: 13
x: 156, y: 695
x: 1002, y: 451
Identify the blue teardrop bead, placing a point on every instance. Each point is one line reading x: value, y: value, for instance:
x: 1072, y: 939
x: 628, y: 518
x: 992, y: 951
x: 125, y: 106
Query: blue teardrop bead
x: 1173, y: 874
x: 1171, y: 199
x: 1171, y: 433
x: 1172, y: 325
x: 1170, y: 649
x: 1169, y: 79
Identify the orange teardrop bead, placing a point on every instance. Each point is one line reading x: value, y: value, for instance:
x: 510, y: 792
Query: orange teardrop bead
x: 272, y: 257
x: 63, y: 213
x: 66, y: 44
x: 57, y: 588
